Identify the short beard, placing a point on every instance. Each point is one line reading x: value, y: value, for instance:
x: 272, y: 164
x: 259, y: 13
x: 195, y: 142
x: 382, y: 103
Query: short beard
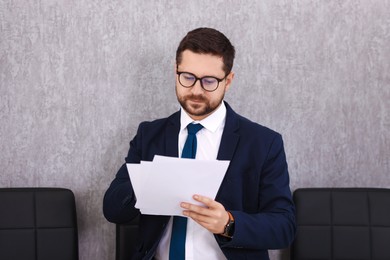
x: 207, y: 107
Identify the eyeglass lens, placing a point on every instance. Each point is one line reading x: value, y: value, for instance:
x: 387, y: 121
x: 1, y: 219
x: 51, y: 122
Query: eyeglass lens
x: 188, y: 80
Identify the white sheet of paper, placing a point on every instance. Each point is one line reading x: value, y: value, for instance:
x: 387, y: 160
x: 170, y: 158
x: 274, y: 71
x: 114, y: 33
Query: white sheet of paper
x: 161, y: 185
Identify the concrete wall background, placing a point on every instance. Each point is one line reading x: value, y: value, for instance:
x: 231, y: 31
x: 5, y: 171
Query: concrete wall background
x: 77, y: 77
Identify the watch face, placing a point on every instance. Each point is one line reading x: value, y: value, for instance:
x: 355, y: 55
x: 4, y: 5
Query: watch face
x: 229, y: 229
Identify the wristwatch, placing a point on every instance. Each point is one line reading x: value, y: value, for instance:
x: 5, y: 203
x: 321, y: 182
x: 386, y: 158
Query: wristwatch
x: 229, y: 227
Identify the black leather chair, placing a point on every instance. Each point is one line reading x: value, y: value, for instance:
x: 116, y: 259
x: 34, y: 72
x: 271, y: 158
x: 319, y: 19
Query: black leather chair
x: 126, y: 235
x: 38, y: 224
x: 342, y: 223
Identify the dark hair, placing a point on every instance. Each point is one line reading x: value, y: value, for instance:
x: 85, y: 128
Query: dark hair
x: 208, y: 41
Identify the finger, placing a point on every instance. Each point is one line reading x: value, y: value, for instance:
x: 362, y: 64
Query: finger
x: 205, y: 200
x: 195, y: 208
x: 208, y: 202
x: 203, y: 220
x: 202, y: 214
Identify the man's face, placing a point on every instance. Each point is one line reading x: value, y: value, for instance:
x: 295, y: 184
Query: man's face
x: 197, y: 102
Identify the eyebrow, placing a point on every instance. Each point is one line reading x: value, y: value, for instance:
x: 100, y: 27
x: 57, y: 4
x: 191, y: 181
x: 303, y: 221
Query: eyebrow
x: 208, y: 75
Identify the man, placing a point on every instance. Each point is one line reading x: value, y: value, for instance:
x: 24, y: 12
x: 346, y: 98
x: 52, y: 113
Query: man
x: 253, y: 210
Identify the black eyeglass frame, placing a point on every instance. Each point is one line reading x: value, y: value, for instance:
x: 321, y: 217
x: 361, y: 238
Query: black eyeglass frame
x: 200, y: 80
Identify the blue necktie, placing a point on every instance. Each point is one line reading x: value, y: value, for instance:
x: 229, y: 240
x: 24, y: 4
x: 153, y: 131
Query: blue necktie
x: 179, y: 227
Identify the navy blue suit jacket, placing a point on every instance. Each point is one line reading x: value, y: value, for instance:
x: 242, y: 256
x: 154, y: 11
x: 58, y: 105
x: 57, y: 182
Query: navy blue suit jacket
x: 255, y: 188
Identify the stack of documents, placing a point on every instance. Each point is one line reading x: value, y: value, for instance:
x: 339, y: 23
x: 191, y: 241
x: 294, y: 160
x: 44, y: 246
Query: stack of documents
x: 161, y: 185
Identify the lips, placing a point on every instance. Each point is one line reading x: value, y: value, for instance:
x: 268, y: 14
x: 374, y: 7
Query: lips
x: 196, y: 99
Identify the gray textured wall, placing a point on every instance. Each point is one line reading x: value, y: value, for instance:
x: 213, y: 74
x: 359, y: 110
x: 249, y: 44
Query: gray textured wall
x: 77, y: 77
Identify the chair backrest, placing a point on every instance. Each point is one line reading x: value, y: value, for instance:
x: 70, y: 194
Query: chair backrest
x: 126, y: 237
x: 38, y: 224
x: 342, y: 223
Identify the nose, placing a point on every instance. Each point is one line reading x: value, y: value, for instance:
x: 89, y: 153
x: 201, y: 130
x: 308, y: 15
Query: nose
x: 197, y: 88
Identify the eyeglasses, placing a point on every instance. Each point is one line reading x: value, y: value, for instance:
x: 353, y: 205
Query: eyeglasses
x: 208, y: 83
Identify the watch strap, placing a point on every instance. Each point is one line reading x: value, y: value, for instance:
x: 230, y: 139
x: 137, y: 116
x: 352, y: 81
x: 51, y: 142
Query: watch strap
x: 229, y: 227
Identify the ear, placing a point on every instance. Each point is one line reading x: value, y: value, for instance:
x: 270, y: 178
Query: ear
x: 229, y: 80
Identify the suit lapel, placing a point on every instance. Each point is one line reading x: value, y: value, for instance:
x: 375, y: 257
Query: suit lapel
x: 171, y: 133
x: 230, y: 136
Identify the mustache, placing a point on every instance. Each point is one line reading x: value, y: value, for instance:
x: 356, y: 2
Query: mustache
x: 196, y: 97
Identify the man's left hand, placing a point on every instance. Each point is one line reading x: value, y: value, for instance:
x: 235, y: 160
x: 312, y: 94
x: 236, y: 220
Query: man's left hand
x: 211, y: 216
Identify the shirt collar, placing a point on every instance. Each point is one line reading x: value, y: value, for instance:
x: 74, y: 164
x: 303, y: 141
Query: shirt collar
x: 211, y: 122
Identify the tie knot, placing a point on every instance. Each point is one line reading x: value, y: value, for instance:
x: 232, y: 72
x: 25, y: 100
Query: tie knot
x: 193, y: 128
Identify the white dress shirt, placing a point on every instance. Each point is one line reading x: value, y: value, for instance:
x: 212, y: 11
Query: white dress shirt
x: 200, y: 243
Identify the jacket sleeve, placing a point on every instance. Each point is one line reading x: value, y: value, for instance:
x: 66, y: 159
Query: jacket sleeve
x: 119, y: 199
x: 273, y: 225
